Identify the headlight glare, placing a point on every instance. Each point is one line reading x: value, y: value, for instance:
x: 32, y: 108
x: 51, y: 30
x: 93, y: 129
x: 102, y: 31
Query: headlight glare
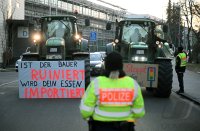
x: 36, y: 37
x: 139, y: 58
x: 116, y: 41
x: 77, y: 36
x: 98, y: 65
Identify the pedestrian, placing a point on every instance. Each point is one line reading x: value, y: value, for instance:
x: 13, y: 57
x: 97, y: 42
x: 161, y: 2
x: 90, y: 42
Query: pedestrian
x: 112, y: 101
x: 181, y: 60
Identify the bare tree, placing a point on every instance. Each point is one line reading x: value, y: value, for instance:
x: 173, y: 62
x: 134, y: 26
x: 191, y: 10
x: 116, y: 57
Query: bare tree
x: 196, y: 46
x: 188, y: 11
x: 191, y: 11
x: 7, y: 8
x: 197, y: 9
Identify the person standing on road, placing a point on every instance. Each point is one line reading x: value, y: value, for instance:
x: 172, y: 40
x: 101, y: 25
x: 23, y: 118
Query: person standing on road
x: 112, y: 101
x: 181, y: 60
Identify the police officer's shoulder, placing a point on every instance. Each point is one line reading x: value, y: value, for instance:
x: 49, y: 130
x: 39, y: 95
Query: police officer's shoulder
x: 101, y: 77
x: 185, y: 53
x: 128, y: 78
x: 132, y: 81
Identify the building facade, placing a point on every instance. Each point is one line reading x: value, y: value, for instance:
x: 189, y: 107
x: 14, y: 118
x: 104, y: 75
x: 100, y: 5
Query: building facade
x: 23, y: 16
x: 99, y: 15
x: 10, y: 9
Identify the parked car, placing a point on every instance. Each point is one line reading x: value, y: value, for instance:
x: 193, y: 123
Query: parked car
x: 103, y: 53
x: 96, y: 63
x: 17, y: 62
x: 28, y: 50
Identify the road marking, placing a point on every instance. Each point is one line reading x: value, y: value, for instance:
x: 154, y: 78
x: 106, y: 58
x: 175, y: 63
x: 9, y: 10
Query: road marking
x: 8, y: 83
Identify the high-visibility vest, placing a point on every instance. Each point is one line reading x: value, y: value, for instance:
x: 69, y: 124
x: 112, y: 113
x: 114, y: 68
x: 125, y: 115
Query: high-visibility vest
x: 113, y: 100
x: 183, y: 58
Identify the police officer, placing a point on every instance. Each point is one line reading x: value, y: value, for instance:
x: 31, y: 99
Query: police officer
x: 112, y: 101
x: 181, y: 60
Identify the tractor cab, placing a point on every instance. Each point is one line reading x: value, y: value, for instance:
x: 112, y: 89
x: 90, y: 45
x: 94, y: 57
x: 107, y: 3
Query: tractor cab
x: 60, y: 27
x: 60, y: 35
x: 134, y: 38
x: 140, y: 40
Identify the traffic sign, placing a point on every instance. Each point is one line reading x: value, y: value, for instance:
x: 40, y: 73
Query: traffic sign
x: 93, y: 36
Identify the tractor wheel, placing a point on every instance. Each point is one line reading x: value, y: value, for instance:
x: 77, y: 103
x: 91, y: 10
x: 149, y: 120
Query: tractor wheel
x: 165, y: 78
x: 150, y: 89
x: 87, y: 69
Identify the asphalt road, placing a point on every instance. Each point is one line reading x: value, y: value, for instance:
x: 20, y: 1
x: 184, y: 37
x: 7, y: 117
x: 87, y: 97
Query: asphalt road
x: 173, y: 114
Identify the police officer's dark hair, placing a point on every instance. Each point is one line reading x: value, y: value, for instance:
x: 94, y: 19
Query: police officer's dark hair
x: 180, y: 49
x: 114, y: 62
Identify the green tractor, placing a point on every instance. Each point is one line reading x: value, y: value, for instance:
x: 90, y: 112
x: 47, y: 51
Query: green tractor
x: 60, y: 40
x: 147, y: 55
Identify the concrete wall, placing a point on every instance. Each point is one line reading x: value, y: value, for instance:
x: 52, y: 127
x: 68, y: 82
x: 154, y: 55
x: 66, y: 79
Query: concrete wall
x: 19, y: 10
x: 16, y: 6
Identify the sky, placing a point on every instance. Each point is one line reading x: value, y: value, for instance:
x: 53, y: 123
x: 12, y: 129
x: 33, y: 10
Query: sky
x: 152, y: 7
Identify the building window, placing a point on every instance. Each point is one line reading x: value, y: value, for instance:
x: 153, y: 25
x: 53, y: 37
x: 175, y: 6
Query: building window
x: 17, y: 5
x: 59, y: 4
x: 102, y: 15
x: 46, y: 2
x: 69, y: 7
x: 80, y: 10
x: 64, y: 5
x: 41, y: 1
x: 84, y: 10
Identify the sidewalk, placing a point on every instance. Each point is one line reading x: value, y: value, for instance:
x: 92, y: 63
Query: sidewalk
x: 191, y: 85
x: 8, y: 69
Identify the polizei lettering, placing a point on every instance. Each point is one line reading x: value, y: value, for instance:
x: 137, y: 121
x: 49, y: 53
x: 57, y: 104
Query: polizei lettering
x: 116, y: 95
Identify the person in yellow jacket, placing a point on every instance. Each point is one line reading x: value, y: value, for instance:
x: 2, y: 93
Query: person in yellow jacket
x: 112, y: 101
x: 181, y: 60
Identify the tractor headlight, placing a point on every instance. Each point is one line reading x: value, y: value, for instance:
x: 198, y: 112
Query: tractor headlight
x: 136, y: 58
x: 160, y: 44
x: 116, y: 41
x: 139, y: 58
x: 36, y: 37
x: 113, y: 43
x: 51, y: 57
x: 77, y: 37
x: 143, y: 58
x: 98, y: 65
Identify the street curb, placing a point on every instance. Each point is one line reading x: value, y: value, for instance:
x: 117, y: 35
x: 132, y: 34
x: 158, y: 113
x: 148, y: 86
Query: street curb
x: 189, y: 97
x: 7, y: 70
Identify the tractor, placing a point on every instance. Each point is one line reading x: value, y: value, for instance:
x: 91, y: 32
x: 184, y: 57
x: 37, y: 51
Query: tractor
x: 59, y: 40
x: 147, y: 56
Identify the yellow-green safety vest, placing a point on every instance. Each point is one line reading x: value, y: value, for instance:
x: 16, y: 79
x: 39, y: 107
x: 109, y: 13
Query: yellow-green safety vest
x: 113, y: 100
x: 183, y: 58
